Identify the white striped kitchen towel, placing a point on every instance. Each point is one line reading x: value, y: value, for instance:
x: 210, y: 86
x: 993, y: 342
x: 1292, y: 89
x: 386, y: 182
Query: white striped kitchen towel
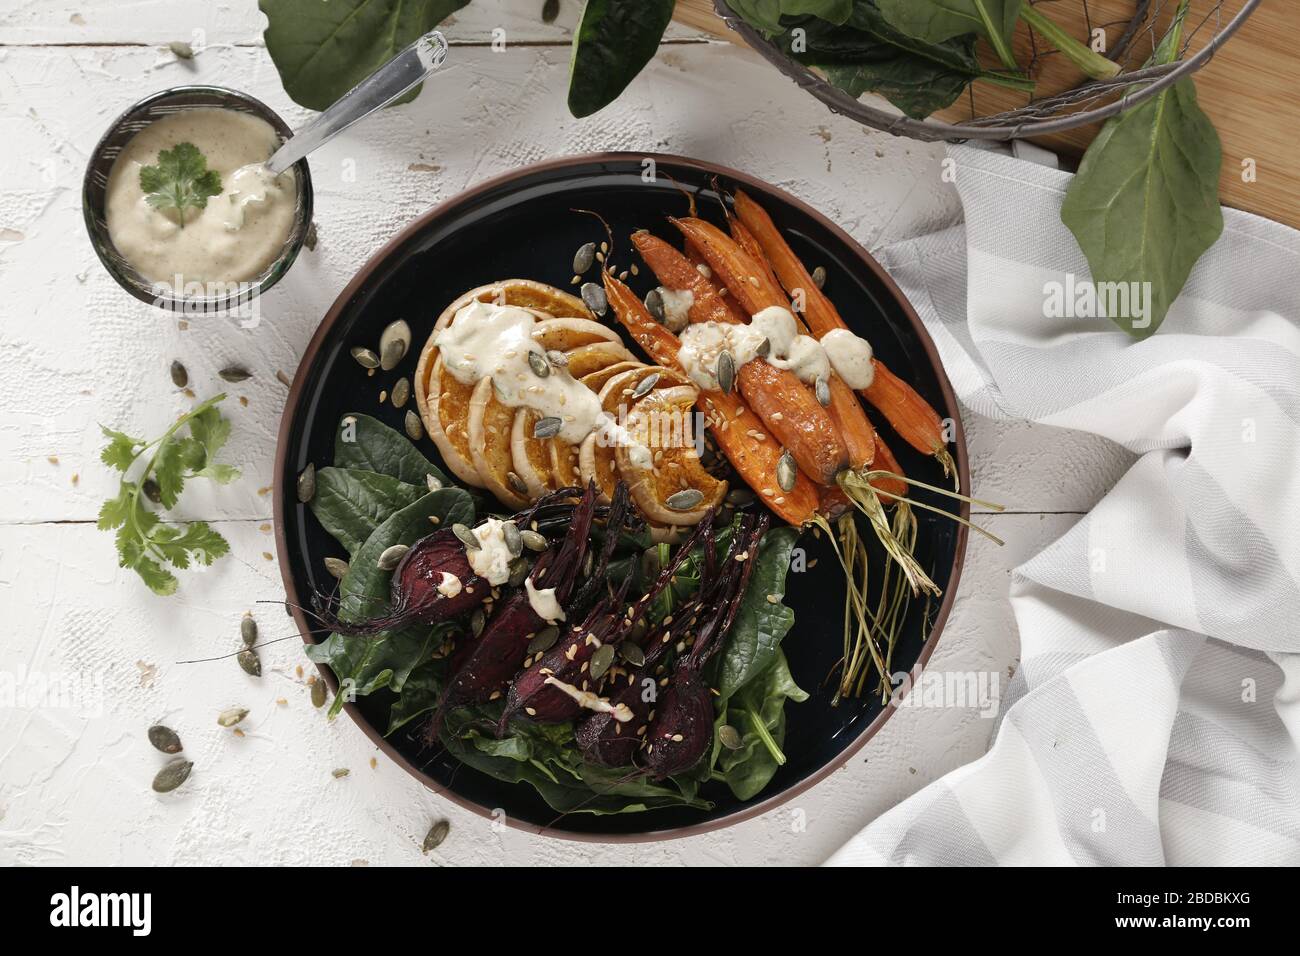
x: 1155, y: 715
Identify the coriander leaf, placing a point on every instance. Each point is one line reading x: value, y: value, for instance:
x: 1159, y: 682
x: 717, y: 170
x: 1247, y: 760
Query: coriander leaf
x: 161, y: 581
x: 210, y: 430
x: 180, y: 181
x: 197, y: 540
x: 121, y: 449
x: 114, y: 512
x: 1144, y: 205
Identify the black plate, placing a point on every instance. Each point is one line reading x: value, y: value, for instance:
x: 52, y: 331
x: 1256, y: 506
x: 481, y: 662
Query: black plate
x: 523, y: 226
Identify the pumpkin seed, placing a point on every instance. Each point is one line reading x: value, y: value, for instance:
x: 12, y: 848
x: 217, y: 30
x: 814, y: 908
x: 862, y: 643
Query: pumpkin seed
x: 519, y: 569
x: 414, y: 429
x: 593, y: 296
x: 180, y: 377
x: 249, y: 662
x: 537, y: 362
x: 318, y: 693
x: 547, y: 427
x: 601, y: 661
x: 228, y: 718
x: 685, y: 499
x: 235, y: 374
x: 476, y: 621
x: 726, y: 372
x: 340, y: 773
x: 557, y: 358
x: 786, y: 471
x: 544, y: 640
x: 823, y: 389
x: 391, y: 556
x: 165, y: 739
x: 438, y: 832
x: 643, y: 387
x: 467, y: 537
x: 152, y: 491
x: 311, y: 239
x: 533, y: 540
x: 401, y: 392
x: 819, y: 276
x: 584, y: 258
x: 248, y: 630
x: 514, y: 541
x: 739, y: 497
x: 337, y: 567
x: 172, y: 775
x: 654, y: 304
x: 181, y: 50
x: 393, y: 343
x: 764, y: 348
x: 729, y: 737
x: 307, y: 483
x: 587, y: 563
x: 365, y: 358
x: 631, y: 653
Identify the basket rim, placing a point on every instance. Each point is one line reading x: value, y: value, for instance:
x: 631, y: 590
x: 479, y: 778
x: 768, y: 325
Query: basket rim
x: 1155, y: 79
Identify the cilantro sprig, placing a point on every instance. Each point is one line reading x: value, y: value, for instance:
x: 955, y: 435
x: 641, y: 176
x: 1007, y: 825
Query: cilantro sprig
x: 180, y: 181
x: 145, y: 543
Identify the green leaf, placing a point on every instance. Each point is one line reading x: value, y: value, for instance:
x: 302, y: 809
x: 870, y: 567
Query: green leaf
x: 834, y: 11
x: 419, y: 695
x: 210, y: 430
x: 1144, y: 205
x: 868, y: 55
x: 764, y: 15
x: 367, y: 663
x: 114, y: 512
x: 323, y: 49
x: 368, y: 444
x: 937, y: 20
x: 180, y: 181
x: 197, y: 540
x: 615, y: 39
x: 121, y: 450
x: 755, y: 637
x: 761, y: 702
x: 350, y: 502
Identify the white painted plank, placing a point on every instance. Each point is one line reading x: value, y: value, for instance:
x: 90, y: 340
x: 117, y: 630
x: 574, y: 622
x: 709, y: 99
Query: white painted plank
x: 75, y: 785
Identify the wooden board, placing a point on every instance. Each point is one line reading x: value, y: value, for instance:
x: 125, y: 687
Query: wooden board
x: 1251, y: 89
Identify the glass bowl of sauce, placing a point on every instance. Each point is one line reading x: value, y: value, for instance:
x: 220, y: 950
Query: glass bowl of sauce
x: 209, y: 259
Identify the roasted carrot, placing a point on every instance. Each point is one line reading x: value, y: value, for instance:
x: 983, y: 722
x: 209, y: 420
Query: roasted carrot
x: 911, y: 416
x: 892, y: 488
x: 776, y: 395
x: 740, y: 433
x: 734, y: 266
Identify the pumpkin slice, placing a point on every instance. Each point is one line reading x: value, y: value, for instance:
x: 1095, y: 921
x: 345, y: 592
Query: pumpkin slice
x: 586, y: 359
x: 596, y: 380
x: 563, y: 334
x: 531, y: 456
x: 490, y: 426
x: 659, y: 464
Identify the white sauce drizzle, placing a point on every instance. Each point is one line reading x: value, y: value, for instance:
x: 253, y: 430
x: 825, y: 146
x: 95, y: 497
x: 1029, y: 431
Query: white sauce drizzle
x: 585, y: 698
x: 677, y: 307
x: 809, y: 359
x: 543, y: 602
x: 450, y: 585
x: 491, y: 560
x: 485, y: 340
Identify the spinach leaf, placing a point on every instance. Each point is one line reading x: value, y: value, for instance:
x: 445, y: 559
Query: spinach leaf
x: 322, y: 50
x: 866, y: 54
x: 1144, y: 205
x: 419, y: 695
x: 368, y: 444
x: 364, y: 590
x: 350, y: 503
x: 834, y: 11
x: 757, y: 711
x: 755, y: 637
x: 367, y: 663
x: 614, y: 41
x: 764, y: 15
x: 937, y: 20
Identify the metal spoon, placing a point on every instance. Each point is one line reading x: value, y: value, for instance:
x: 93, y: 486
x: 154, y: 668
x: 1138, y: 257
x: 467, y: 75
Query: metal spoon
x: 399, y: 75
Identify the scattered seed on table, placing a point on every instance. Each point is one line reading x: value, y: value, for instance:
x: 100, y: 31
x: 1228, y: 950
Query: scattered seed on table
x: 594, y: 298
x: 414, y: 427
x: 232, y: 716
x: 401, y: 392
x: 337, y: 567
x: 283, y: 379
x: 248, y: 630
x: 341, y: 772
x: 172, y: 775
x: 181, y: 50
x: 165, y: 739
x: 365, y: 358
x: 438, y: 832
x: 307, y: 483
x: 234, y: 374
x: 180, y: 377
x: 584, y: 258
x: 318, y: 693
x: 391, y: 556
x: 249, y: 662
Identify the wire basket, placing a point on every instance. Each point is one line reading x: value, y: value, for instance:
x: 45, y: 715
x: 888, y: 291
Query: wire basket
x: 1079, y: 105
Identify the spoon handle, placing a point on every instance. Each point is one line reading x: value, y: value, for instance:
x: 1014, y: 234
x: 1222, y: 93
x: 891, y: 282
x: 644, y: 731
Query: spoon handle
x: 397, y: 76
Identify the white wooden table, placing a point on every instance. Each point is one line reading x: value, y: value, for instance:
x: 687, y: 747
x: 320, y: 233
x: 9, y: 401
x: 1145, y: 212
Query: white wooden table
x: 77, y: 351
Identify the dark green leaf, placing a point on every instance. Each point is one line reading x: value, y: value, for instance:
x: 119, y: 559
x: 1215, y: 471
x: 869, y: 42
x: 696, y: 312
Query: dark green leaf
x: 835, y: 11
x: 323, y: 49
x: 748, y: 770
x: 366, y: 663
x: 370, y: 445
x: 614, y: 41
x: 419, y: 695
x: 1144, y: 205
x: 937, y: 20
x: 755, y: 637
x: 764, y: 15
x: 350, y: 503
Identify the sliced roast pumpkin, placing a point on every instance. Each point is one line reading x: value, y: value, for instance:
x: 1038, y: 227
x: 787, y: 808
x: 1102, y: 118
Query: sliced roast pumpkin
x: 490, y: 425
x: 596, y: 380
x: 586, y: 359
x: 531, y: 456
x: 659, y: 462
